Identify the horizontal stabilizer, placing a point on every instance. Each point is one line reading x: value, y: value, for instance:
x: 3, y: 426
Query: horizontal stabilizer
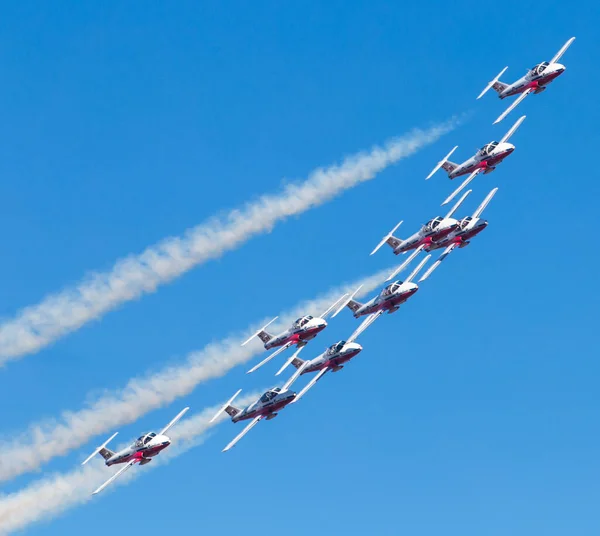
x: 441, y: 163
x: 386, y: 238
x: 261, y: 329
x: 346, y: 302
x: 99, y: 448
x: 225, y: 405
x: 289, y: 361
x: 489, y: 86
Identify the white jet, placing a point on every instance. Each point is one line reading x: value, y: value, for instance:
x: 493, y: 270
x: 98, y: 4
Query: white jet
x: 535, y: 81
x: 389, y: 299
x: 433, y: 231
x: 484, y: 161
x: 141, y: 451
x: 469, y: 227
x: 299, y: 333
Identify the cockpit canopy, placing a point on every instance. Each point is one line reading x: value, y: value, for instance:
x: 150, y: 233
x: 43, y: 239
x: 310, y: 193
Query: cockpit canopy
x: 270, y: 395
x: 302, y: 321
x: 465, y: 221
x: 539, y: 68
x: 335, y: 348
x: 390, y: 289
x: 488, y: 148
x: 432, y: 224
x: 144, y: 439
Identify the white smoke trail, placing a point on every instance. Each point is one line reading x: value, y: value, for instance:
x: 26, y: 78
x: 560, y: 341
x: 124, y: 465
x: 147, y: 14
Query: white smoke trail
x: 43, y: 441
x: 59, y: 314
x: 50, y: 496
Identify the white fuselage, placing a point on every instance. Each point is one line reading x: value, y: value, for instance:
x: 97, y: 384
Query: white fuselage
x: 533, y: 80
x: 485, y: 159
x: 388, y: 300
x: 333, y: 359
x: 468, y: 228
x: 430, y: 232
x: 269, y: 403
x: 140, y: 452
x: 297, y: 334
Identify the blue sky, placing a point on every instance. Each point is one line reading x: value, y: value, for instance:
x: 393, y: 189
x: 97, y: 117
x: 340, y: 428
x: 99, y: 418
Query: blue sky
x: 473, y: 410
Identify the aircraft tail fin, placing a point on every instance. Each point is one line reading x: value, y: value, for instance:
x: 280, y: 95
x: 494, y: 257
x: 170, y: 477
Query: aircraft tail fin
x: 351, y: 303
x: 102, y: 450
x: 106, y: 453
x: 445, y: 164
x: 495, y: 84
x: 262, y: 334
x: 232, y: 411
x: 297, y: 362
x: 390, y: 240
x: 449, y: 166
x: 293, y: 360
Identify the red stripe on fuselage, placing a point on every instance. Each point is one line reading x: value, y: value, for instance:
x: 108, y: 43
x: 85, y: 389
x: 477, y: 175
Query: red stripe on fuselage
x: 296, y: 337
x: 265, y: 411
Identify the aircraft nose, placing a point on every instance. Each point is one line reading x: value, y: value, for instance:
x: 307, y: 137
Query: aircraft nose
x: 355, y: 347
x: 559, y: 67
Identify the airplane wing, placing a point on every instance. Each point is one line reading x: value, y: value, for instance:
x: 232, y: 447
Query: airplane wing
x: 252, y: 424
x: 309, y: 385
x: 562, y: 50
x: 496, y: 79
x: 268, y: 358
x: 441, y: 163
x: 179, y: 415
x: 484, y: 203
x: 458, y: 204
x: 346, y: 301
x: 446, y: 252
x: 332, y: 306
x: 513, y: 129
x: 415, y: 272
x: 513, y: 105
x: 295, y: 376
x: 118, y: 473
x: 289, y: 361
x: 405, y: 263
x: 364, y: 325
x: 462, y: 186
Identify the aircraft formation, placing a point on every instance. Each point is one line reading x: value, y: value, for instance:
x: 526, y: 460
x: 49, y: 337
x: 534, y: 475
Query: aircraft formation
x: 441, y: 232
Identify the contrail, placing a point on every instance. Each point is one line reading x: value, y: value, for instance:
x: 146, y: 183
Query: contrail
x: 48, y: 439
x: 36, y: 326
x: 48, y: 497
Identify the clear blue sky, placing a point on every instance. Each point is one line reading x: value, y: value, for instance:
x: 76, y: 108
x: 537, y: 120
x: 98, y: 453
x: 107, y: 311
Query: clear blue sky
x: 472, y: 411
